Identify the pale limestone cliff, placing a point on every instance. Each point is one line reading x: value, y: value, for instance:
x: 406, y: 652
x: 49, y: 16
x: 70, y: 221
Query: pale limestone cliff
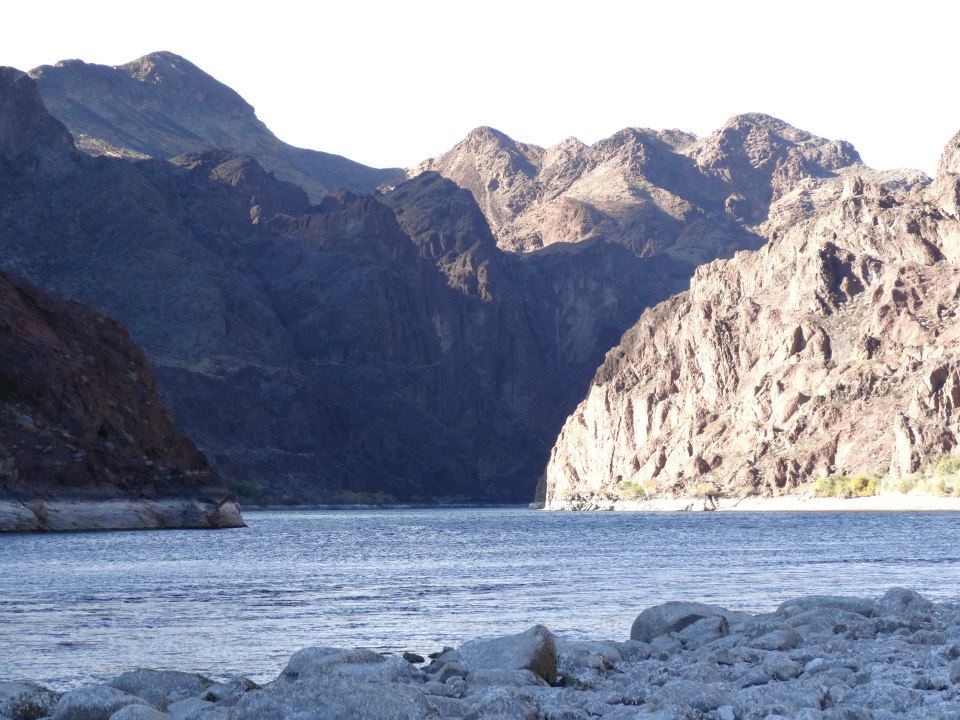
x: 834, y: 349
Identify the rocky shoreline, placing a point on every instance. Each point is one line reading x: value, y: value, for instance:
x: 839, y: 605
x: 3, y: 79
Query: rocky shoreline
x: 76, y: 515
x: 754, y: 503
x: 815, y: 657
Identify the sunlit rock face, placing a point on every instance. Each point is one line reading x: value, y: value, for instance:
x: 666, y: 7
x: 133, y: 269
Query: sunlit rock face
x: 653, y: 191
x: 833, y: 349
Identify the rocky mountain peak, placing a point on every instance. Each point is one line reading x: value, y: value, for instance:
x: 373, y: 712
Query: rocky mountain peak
x: 765, y: 142
x: 175, y: 75
x: 162, y: 105
x: 30, y: 139
x: 160, y: 66
x: 946, y: 188
x: 950, y: 159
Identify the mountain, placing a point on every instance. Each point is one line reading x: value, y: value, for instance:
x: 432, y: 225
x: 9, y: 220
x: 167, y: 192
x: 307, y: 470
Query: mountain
x: 393, y: 345
x: 833, y: 350
x: 84, y: 439
x: 335, y: 351
x: 653, y: 191
x: 162, y: 105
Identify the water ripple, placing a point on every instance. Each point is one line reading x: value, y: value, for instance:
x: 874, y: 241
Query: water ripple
x: 82, y: 607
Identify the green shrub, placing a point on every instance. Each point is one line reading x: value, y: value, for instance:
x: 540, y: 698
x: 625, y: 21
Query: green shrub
x: 862, y: 486
x: 907, y: 484
x: 945, y: 466
x: 706, y: 490
x: 826, y: 486
x: 630, y: 490
x: 844, y: 486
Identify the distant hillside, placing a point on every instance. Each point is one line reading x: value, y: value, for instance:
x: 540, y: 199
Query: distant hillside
x: 162, y: 105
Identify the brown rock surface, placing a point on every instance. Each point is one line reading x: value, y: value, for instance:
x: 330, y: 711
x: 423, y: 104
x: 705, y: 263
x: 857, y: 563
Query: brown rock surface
x: 833, y: 349
x: 84, y: 440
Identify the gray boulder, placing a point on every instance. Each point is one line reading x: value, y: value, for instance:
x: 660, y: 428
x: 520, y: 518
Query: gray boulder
x: 93, y: 702
x: 860, y: 606
x: 161, y: 687
x: 900, y: 601
x: 781, y: 667
x: 189, y: 708
x: 689, y: 694
x: 335, y: 699
x: 534, y: 650
x: 20, y: 700
x: 673, y: 617
x: 505, y: 678
x: 313, y: 661
x: 139, y: 712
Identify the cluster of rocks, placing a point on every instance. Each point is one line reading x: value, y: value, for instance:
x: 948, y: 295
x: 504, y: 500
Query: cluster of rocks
x: 835, y: 658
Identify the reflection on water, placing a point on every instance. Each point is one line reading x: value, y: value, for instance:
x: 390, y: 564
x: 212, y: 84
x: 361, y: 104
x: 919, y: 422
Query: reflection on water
x: 85, y: 606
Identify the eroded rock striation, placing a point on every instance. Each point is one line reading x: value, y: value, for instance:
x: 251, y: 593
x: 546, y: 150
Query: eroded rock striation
x: 162, y: 105
x: 832, y: 350
x: 813, y: 658
x: 84, y: 440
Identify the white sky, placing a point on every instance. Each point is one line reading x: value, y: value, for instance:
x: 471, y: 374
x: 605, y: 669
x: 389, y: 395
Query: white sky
x: 392, y: 83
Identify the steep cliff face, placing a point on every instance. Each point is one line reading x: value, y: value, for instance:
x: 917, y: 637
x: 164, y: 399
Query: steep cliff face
x: 655, y: 192
x: 162, y: 105
x: 84, y: 439
x: 360, y: 345
x: 834, y: 349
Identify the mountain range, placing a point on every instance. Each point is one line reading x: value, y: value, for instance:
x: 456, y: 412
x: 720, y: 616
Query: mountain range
x: 328, y: 331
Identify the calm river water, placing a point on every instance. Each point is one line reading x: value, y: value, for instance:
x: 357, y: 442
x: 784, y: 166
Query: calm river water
x: 80, y: 607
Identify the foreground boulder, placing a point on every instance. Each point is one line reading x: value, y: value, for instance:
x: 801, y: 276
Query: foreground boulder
x: 19, y: 700
x: 161, y: 687
x: 672, y: 617
x: 93, y: 702
x: 534, y: 650
x: 333, y: 697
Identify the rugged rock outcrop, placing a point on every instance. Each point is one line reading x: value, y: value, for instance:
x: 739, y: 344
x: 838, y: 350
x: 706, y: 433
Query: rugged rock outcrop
x: 834, y: 349
x: 353, y: 347
x: 84, y: 439
x: 695, y: 199
x: 162, y: 105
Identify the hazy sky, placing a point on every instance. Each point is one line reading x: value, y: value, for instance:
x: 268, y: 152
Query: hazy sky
x: 391, y: 83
